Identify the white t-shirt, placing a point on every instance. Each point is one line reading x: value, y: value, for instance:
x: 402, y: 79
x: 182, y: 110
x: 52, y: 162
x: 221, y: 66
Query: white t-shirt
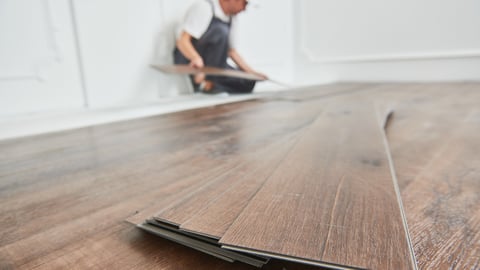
x: 199, y: 16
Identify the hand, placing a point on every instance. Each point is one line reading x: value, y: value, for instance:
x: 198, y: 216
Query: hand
x: 197, y: 62
x: 259, y: 74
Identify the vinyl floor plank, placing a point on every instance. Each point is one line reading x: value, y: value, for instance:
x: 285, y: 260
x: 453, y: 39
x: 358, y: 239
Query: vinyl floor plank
x: 436, y: 156
x: 211, y: 71
x: 95, y: 147
x: 64, y: 196
x: 75, y: 228
x: 446, y: 221
x: 332, y: 201
x: 212, y: 216
x: 102, y: 190
x: 214, y: 219
x: 78, y: 197
x: 123, y: 246
x: 74, y: 190
x: 256, y: 165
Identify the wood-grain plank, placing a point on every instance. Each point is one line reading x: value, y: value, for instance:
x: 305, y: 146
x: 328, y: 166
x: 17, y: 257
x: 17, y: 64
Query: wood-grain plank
x: 56, y: 241
x: 332, y: 201
x: 436, y: 155
x: 110, y: 186
x: 95, y: 147
x: 126, y: 247
x: 102, y: 186
x: 73, y: 190
x: 257, y: 164
x: 447, y: 218
x: 64, y: 196
x: 47, y: 240
x: 212, y: 71
x: 214, y: 218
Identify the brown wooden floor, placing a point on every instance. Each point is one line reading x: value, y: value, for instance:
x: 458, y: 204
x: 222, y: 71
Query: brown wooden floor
x: 64, y: 196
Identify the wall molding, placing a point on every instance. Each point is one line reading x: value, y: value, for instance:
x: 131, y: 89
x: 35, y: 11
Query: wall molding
x: 391, y: 57
x: 54, y: 29
x: 20, y: 77
x: 384, y: 57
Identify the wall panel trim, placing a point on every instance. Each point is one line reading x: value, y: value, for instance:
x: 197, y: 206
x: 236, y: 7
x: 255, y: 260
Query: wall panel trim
x: 408, y: 56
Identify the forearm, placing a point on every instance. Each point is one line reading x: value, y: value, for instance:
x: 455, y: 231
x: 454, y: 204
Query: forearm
x: 243, y: 65
x: 184, y: 44
x: 238, y: 59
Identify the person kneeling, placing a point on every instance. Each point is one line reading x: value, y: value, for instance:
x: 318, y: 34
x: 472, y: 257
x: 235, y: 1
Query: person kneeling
x: 207, y: 38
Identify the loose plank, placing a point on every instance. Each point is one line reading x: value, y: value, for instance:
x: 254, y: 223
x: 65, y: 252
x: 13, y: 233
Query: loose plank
x: 255, y: 165
x: 332, y: 201
x: 213, y: 71
x: 214, y: 219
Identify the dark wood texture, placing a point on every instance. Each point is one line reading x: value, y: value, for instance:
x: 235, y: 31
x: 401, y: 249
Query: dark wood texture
x: 64, y: 196
x: 435, y: 147
x: 332, y: 199
x: 214, y: 218
x: 253, y: 168
x: 205, y: 211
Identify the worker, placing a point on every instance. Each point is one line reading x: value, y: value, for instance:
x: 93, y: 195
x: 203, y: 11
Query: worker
x: 207, y: 37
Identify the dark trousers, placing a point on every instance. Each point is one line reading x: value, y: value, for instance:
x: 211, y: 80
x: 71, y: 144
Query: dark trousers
x: 213, y: 47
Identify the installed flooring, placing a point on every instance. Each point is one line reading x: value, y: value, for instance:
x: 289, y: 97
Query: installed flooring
x: 64, y: 196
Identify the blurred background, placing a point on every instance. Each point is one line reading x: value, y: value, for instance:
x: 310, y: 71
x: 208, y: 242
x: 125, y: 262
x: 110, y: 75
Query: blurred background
x: 58, y: 55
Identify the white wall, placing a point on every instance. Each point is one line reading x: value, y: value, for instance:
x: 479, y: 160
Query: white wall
x: 38, y: 58
x: 266, y: 39
x: 345, y: 40
x: 117, y: 42
x: 73, y: 54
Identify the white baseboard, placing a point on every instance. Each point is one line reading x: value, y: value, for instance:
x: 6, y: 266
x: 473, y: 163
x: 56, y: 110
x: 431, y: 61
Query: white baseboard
x: 34, y: 124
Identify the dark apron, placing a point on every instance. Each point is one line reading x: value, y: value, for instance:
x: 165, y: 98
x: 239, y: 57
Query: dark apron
x: 213, y: 47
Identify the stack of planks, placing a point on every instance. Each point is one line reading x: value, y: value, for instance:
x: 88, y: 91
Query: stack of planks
x: 323, y: 193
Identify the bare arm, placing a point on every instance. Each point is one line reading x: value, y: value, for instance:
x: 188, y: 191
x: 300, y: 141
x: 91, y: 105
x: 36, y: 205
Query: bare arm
x: 184, y: 44
x: 238, y: 59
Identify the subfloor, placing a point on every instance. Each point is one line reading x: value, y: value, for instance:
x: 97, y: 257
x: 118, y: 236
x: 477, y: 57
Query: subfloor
x: 64, y: 196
